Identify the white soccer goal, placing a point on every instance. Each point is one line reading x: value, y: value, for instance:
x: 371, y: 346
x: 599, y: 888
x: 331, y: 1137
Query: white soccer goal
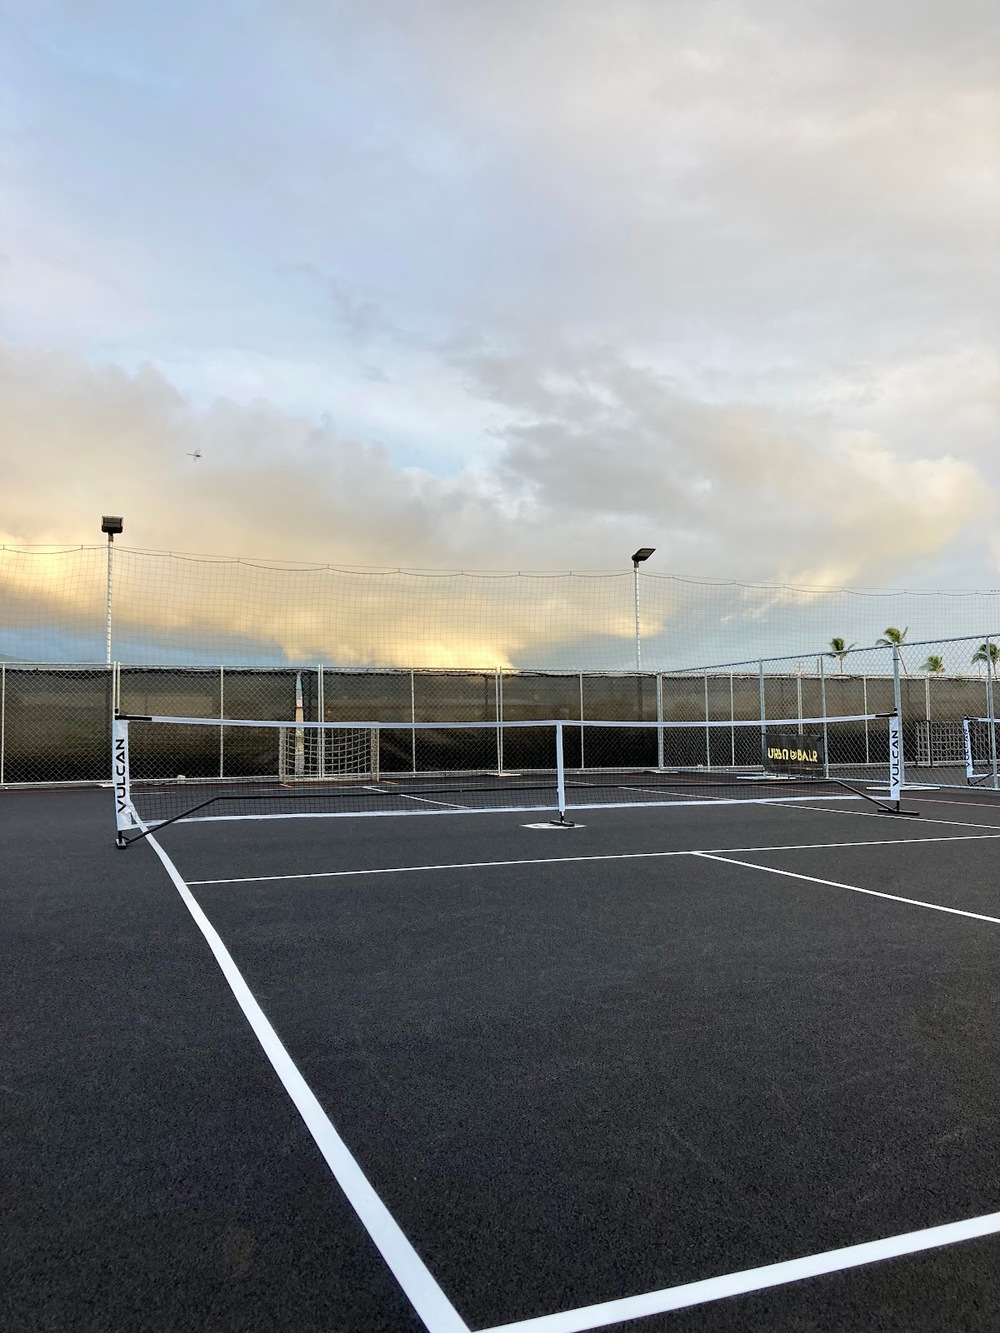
x: 339, y: 753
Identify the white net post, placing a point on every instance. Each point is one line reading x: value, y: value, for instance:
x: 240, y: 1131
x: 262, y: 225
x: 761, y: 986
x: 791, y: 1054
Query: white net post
x: 970, y: 767
x: 124, y: 814
x: 560, y: 773
x: 897, y: 695
x: 895, y: 759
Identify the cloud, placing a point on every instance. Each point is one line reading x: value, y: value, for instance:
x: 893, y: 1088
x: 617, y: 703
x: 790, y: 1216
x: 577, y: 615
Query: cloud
x: 508, y: 286
x: 593, y: 453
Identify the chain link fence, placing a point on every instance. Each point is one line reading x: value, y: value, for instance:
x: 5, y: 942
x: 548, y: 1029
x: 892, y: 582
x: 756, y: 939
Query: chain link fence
x: 55, y: 721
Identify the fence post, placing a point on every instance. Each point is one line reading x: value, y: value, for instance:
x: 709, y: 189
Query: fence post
x: 413, y: 718
x: 708, y: 729
x: 222, y: 730
x: 583, y: 757
x: 732, y: 722
x: 989, y: 705
x: 3, y: 714
x: 659, y: 719
x: 321, y: 717
x: 500, y: 719
x: 823, y: 709
x: 763, y: 724
x: 897, y: 695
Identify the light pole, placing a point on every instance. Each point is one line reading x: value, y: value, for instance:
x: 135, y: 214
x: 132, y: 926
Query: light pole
x: 643, y: 553
x: 111, y: 524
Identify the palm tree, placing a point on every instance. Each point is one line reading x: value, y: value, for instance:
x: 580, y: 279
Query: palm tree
x: 839, y: 649
x: 934, y: 666
x: 991, y: 655
x: 893, y: 636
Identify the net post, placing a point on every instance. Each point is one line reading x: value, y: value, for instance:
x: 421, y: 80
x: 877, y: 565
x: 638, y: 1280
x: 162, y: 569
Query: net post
x: 121, y: 781
x: 895, y: 760
x: 970, y: 771
x: 562, y: 821
x: 897, y: 695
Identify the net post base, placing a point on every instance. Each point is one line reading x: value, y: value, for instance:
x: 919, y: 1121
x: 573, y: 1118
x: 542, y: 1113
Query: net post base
x: 562, y: 822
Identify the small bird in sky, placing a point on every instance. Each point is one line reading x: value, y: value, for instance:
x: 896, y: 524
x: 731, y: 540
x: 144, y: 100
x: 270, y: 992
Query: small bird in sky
x: 196, y: 454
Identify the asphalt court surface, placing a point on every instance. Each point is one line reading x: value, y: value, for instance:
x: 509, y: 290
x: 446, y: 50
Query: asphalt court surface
x: 574, y: 1070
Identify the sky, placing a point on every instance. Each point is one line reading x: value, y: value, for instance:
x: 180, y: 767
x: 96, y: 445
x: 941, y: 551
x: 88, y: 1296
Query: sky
x: 467, y: 286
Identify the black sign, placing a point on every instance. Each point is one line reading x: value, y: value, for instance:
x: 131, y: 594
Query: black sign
x: 794, y: 752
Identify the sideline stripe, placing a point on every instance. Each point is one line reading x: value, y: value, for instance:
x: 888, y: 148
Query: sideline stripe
x: 854, y: 888
x: 609, y: 856
x: 924, y: 819
x: 755, y: 1279
x: 409, y: 1270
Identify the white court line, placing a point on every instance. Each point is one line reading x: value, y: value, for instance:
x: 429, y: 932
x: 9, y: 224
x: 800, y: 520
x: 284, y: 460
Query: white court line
x: 607, y: 856
x: 754, y: 1279
x: 854, y: 888
x: 405, y: 796
x: 409, y: 1270
x: 879, y: 814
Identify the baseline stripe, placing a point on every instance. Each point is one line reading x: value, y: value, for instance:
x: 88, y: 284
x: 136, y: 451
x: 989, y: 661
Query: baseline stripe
x: 854, y: 888
x: 755, y: 1279
x: 409, y: 1270
x: 609, y: 856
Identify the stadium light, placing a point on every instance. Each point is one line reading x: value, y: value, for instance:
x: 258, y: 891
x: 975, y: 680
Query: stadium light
x: 111, y: 524
x: 643, y: 553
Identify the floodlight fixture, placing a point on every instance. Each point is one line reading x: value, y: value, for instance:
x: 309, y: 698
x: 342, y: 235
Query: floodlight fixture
x: 643, y: 553
x: 112, y: 525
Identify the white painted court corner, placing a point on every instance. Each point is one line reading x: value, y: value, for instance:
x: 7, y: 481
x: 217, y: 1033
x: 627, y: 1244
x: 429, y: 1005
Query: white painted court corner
x: 426, y: 1296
